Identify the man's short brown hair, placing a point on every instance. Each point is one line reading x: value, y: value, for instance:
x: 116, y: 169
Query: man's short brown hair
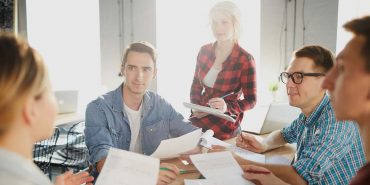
x: 361, y: 27
x: 322, y: 57
x: 141, y: 47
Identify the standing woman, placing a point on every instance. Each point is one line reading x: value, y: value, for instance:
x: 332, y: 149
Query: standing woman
x: 27, y: 113
x: 223, y: 67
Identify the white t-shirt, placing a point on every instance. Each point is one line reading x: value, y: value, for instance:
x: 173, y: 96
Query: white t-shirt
x: 134, y: 119
x: 211, y: 77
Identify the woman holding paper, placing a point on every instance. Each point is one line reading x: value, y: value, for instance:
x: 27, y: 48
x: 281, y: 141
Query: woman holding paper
x: 224, y: 76
x: 27, y: 113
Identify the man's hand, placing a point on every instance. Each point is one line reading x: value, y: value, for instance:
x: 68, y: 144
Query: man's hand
x: 68, y: 178
x: 167, y: 174
x: 260, y: 175
x: 250, y: 143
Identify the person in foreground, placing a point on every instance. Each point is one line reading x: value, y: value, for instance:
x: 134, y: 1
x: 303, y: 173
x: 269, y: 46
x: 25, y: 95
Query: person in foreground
x: 349, y: 86
x: 328, y: 151
x: 225, y: 75
x: 131, y: 117
x: 27, y: 113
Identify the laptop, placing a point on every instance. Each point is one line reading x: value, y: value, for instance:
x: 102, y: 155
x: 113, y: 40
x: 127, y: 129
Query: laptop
x: 264, y: 119
x: 67, y: 101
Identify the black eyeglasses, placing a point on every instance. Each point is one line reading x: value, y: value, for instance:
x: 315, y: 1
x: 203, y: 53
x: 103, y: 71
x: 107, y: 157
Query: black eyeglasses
x: 297, y: 77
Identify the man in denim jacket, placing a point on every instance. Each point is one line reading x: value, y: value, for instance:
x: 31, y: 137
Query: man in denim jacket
x: 131, y: 117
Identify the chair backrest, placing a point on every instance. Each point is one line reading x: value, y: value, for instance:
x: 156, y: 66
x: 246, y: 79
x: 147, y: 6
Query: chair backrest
x: 75, y: 153
x: 43, y: 151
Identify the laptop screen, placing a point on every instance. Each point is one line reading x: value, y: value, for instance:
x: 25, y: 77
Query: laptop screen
x: 67, y: 101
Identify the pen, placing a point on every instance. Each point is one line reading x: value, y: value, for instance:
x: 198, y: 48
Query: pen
x: 226, y: 95
x: 182, y: 171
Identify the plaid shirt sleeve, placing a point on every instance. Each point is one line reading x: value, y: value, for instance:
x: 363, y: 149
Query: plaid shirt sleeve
x: 290, y: 133
x: 330, y: 145
x: 196, y: 86
x: 248, y: 84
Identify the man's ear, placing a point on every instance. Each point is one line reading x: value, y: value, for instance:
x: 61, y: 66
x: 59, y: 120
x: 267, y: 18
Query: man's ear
x: 367, y: 103
x: 29, y: 111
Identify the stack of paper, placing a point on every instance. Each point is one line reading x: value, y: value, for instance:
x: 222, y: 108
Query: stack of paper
x: 219, y: 168
x: 207, y: 140
x: 123, y: 167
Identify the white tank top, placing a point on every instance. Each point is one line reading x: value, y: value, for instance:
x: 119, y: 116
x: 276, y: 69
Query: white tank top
x: 211, y: 77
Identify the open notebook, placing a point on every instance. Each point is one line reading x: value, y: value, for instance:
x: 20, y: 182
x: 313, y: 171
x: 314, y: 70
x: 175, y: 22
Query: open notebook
x: 209, y: 110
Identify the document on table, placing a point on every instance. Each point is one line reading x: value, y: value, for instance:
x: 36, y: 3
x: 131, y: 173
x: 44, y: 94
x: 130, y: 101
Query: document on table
x: 171, y: 148
x: 198, y: 182
x: 220, y: 168
x: 278, y: 160
x: 127, y: 168
x: 209, y: 110
x: 207, y: 140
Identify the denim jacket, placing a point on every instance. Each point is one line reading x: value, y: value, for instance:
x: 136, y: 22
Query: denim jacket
x: 107, y: 124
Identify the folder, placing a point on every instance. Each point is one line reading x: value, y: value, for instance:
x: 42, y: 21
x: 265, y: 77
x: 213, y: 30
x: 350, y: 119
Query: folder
x: 209, y: 110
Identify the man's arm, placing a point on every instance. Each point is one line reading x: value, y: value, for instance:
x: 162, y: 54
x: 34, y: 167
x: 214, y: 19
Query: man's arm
x: 98, y: 137
x: 249, y: 142
x: 283, y: 172
x: 274, y: 140
x: 100, y: 164
x: 286, y: 173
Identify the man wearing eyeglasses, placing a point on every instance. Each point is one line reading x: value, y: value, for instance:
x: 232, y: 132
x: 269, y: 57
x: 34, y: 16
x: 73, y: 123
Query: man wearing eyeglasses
x: 327, y: 152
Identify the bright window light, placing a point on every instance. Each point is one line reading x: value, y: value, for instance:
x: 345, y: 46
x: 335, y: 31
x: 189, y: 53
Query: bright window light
x: 66, y: 33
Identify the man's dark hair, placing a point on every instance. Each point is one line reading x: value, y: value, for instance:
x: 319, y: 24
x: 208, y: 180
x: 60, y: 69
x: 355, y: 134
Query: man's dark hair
x: 361, y: 27
x: 322, y: 57
x: 141, y: 47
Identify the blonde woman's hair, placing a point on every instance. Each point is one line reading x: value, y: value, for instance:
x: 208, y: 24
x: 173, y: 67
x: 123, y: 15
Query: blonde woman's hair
x: 229, y: 9
x: 22, y: 74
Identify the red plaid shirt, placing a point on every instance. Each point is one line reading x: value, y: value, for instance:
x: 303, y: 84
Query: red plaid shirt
x: 238, y: 75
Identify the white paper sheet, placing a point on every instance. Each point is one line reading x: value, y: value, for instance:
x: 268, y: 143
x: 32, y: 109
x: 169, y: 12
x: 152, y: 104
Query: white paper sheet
x: 278, y: 160
x: 171, y: 148
x: 127, y: 168
x: 197, y: 182
x: 220, y: 168
x: 218, y: 181
x: 207, y: 140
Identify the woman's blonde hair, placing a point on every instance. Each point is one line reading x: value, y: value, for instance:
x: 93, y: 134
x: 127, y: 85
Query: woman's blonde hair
x: 229, y: 9
x: 22, y: 74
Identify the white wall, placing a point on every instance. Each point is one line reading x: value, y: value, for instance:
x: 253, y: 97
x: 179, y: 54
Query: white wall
x: 66, y: 33
x: 282, y: 32
x: 348, y: 10
x: 123, y: 22
x: 111, y: 42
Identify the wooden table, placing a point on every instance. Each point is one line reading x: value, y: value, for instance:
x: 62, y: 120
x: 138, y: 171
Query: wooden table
x: 63, y: 119
x: 287, y: 151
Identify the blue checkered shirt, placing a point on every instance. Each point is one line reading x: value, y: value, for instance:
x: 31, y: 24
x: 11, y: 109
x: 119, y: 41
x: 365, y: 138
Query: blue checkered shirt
x: 328, y: 151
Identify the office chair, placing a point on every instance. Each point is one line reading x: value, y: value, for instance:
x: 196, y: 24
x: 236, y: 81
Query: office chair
x: 43, y: 152
x: 74, y: 154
